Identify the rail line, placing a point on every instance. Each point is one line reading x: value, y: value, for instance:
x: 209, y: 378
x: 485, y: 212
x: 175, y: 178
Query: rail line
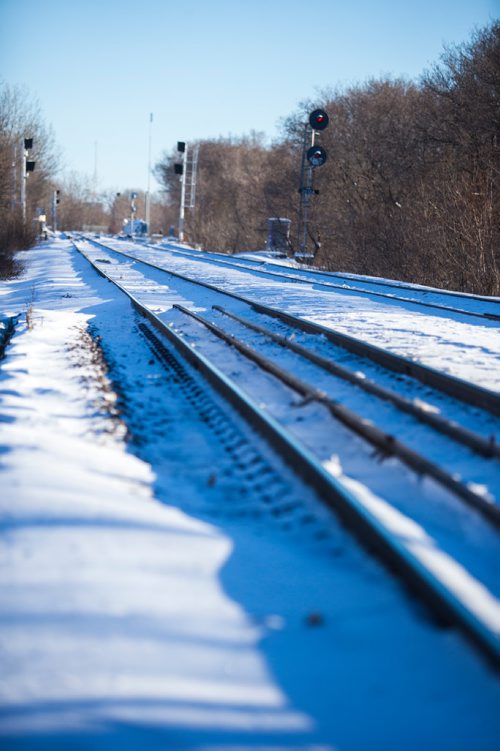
x: 457, y: 388
x: 384, y: 442
x: 301, y: 276
x: 467, y: 605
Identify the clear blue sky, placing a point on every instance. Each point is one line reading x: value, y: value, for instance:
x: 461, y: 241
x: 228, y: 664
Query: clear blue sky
x: 206, y: 67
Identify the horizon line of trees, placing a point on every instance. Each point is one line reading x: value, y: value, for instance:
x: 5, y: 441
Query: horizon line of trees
x: 410, y: 189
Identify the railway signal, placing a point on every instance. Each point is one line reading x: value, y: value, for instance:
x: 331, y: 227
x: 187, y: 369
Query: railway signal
x: 316, y: 156
x: 318, y: 119
x: 313, y: 156
x: 187, y: 169
x: 55, y: 203
x: 27, y: 167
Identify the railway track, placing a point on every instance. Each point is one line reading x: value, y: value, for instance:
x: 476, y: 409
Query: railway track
x: 448, y: 384
x: 384, y: 442
x: 349, y: 284
x: 462, y: 600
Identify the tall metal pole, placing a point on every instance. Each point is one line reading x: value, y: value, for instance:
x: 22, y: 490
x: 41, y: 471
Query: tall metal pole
x: 306, y: 190
x: 183, y: 194
x: 14, y: 176
x: 23, y: 182
x: 95, y: 177
x: 54, y: 211
x: 133, y: 209
x: 148, y: 192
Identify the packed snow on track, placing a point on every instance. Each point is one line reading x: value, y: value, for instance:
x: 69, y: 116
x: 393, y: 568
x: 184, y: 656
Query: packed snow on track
x: 141, y: 608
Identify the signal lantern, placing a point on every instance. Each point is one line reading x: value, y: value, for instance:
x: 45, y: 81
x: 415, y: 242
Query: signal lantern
x: 318, y: 119
x: 316, y: 156
x: 178, y: 168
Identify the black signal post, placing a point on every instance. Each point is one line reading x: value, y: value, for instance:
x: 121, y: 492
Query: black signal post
x: 27, y: 167
x: 56, y: 199
x: 313, y: 156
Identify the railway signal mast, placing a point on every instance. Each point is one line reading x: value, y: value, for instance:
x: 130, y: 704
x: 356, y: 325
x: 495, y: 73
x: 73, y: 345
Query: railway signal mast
x: 27, y: 167
x: 313, y: 156
x: 187, y: 169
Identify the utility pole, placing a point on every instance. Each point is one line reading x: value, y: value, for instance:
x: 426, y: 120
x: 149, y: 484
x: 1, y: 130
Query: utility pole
x: 95, y: 177
x: 148, y: 192
x: 14, y: 176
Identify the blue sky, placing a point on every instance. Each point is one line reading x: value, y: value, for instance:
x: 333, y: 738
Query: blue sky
x: 100, y: 67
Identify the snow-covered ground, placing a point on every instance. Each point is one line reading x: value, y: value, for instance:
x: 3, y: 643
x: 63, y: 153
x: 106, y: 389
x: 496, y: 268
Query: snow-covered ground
x: 466, y: 348
x: 143, y: 607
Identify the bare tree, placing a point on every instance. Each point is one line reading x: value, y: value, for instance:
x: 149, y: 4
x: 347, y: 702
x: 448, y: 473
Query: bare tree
x: 20, y: 117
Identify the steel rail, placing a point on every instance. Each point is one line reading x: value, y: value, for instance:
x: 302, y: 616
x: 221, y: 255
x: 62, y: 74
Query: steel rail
x: 487, y: 448
x: 386, y: 443
x: 350, y: 288
x: 338, y: 274
x: 457, y: 388
x: 451, y: 606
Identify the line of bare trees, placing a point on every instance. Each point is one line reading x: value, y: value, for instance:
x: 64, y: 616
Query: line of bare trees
x: 80, y: 206
x: 410, y: 189
x: 20, y: 118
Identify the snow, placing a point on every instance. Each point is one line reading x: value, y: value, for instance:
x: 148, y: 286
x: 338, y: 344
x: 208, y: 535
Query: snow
x: 466, y: 348
x: 145, y: 604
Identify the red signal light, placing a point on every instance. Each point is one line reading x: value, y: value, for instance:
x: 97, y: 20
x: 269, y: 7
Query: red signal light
x: 318, y: 119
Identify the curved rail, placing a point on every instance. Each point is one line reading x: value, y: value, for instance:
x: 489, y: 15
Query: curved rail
x: 487, y: 448
x: 476, y: 619
x: 455, y: 387
x: 295, y: 276
x: 385, y: 443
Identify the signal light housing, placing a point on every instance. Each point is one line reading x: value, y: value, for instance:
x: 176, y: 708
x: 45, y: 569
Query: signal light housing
x: 318, y: 119
x: 316, y: 156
